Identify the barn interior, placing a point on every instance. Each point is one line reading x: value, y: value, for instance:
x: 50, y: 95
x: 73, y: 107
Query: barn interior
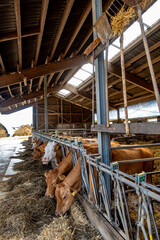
x: 54, y: 60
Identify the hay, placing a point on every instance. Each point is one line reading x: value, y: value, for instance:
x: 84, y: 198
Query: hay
x: 121, y: 20
x: 24, y: 130
x: 26, y: 214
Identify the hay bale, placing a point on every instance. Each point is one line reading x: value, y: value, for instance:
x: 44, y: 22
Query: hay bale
x: 23, y: 130
x: 3, y: 131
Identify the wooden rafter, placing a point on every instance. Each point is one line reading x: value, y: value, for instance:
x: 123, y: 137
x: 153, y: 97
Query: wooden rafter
x: 3, y: 70
x: 13, y: 35
x: 44, y: 9
x: 18, y: 24
x: 61, y: 26
x: 10, y: 92
x: 145, y: 65
x: 76, y: 31
x: 38, y: 71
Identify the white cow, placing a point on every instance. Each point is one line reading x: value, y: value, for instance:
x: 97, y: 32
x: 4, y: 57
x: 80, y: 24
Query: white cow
x: 52, y: 154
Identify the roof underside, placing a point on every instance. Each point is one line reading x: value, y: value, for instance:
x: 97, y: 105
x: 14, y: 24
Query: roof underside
x: 40, y: 33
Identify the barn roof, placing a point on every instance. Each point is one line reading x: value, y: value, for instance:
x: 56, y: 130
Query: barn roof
x: 44, y: 37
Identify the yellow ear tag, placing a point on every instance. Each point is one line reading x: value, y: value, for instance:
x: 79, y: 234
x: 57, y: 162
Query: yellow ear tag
x: 73, y: 194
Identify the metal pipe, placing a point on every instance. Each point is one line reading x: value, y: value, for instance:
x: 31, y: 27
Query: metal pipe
x: 124, y: 85
x: 154, y: 82
x: 139, y: 160
x: 93, y: 121
x: 45, y: 104
x: 37, y: 114
x: 106, y: 78
x: 136, y: 146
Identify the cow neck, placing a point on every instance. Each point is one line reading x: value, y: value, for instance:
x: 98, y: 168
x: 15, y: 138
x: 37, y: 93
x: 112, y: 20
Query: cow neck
x: 71, y: 179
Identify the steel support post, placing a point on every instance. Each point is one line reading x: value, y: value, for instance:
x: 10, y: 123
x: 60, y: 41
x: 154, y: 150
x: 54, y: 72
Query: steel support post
x: 45, y: 104
x: 103, y: 138
x: 37, y: 114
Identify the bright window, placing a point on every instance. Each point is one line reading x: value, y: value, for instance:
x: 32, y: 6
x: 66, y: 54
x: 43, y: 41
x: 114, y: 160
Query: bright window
x: 64, y: 92
x: 74, y: 81
x: 88, y: 67
x: 82, y: 75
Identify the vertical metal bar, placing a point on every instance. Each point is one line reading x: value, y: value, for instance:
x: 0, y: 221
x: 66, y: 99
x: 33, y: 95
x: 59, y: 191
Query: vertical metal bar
x: 93, y: 122
x: 124, y: 84
x: 61, y: 111
x: 154, y: 82
x: 103, y: 138
x: 106, y: 78
x: 37, y: 114
x: 118, y: 114
x: 45, y: 104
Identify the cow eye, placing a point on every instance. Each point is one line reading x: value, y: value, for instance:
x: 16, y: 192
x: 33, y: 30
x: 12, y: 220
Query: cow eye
x: 64, y: 197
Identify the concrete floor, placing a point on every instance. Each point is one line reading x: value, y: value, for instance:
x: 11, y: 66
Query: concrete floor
x: 9, y: 147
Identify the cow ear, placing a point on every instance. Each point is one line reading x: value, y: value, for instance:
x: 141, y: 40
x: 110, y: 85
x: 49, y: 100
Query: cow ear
x: 61, y: 177
x: 46, y: 174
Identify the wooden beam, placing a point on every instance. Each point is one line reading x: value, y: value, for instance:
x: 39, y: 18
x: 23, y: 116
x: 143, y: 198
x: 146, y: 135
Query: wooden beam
x: 41, y: 70
x: 13, y: 35
x: 145, y: 65
x: 62, y: 24
x: 143, y: 54
x: 10, y: 92
x: 18, y: 24
x: 116, y: 70
x: 20, y: 86
x: 3, y: 70
x: 44, y: 9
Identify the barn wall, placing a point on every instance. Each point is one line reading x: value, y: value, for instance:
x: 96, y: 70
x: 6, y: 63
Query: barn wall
x: 61, y: 112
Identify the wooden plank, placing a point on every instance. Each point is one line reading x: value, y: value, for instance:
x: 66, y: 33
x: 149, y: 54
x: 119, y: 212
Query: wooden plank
x: 44, y: 9
x: 62, y: 24
x: 135, y: 128
x: 13, y: 35
x: 3, y: 70
x: 38, y: 71
x: 116, y: 70
x: 18, y: 24
x: 98, y: 221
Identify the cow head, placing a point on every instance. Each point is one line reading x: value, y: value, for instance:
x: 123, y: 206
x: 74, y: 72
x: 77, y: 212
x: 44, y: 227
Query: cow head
x: 64, y: 196
x: 50, y: 153
x: 38, y: 152
x: 52, y: 178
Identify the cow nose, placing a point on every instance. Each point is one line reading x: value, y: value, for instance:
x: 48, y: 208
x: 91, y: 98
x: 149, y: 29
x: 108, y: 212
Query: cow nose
x: 48, y: 195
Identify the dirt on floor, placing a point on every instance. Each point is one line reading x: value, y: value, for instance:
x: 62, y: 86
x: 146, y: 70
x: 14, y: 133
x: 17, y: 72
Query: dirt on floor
x: 26, y: 213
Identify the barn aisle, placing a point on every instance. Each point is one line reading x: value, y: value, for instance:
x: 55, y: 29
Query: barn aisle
x: 9, y: 147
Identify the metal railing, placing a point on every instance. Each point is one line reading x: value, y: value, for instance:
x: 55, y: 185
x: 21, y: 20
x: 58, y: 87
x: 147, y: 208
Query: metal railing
x: 116, y: 209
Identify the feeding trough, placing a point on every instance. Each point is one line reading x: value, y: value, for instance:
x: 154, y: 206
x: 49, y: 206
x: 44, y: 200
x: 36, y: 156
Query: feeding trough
x: 103, y: 28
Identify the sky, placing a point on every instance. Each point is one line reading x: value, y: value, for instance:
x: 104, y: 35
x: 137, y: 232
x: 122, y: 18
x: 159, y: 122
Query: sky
x: 16, y: 119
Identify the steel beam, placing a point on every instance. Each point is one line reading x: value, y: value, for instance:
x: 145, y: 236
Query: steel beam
x: 103, y: 138
x: 45, y: 104
x: 37, y: 114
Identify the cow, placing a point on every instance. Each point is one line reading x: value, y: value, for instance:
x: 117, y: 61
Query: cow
x: 39, y: 151
x: 52, y: 154
x: 37, y: 143
x: 66, y: 190
x: 56, y: 176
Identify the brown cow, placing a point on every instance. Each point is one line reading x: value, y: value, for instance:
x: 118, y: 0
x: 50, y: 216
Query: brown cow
x: 55, y: 176
x: 66, y: 190
x: 39, y: 151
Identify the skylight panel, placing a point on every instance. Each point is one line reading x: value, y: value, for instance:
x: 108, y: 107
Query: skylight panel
x: 131, y: 33
x: 82, y: 75
x: 64, y: 92
x: 74, y: 81
x: 112, y: 52
x: 88, y: 67
x: 152, y: 15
